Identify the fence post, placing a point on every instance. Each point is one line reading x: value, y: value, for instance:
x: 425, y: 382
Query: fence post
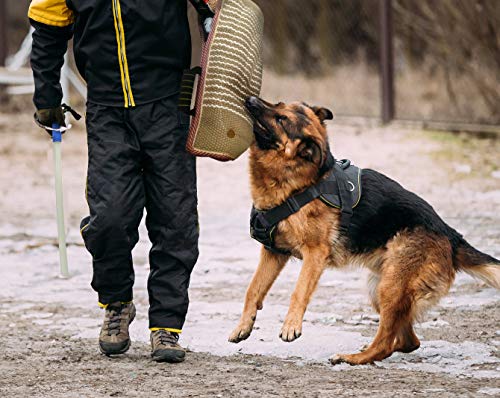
x: 3, y: 45
x: 3, y: 32
x: 386, y: 60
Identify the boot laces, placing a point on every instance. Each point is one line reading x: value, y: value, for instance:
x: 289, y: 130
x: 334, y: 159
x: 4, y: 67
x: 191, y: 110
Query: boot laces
x: 167, y: 338
x: 114, y: 319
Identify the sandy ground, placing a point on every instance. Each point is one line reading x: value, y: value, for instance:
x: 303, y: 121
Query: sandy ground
x: 49, y: 326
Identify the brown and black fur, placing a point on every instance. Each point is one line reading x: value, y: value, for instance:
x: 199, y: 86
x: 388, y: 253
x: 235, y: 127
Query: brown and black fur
x: 413, y: 255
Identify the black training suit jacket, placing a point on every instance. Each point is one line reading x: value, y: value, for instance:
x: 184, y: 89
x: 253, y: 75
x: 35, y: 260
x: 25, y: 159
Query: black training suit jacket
x: 129, y: 52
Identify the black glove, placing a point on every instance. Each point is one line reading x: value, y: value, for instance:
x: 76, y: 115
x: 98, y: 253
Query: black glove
x: 47, y: 117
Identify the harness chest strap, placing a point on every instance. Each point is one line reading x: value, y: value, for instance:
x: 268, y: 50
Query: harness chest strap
x: 263, y: 223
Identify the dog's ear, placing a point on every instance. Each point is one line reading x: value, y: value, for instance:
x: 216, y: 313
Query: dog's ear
x: 311, y: 151
x: 323, y: 113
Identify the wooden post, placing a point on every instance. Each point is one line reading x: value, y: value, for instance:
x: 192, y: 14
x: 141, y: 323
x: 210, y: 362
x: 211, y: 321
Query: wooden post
x: 386, y: 61
x: 3, y: 46
x: 3, y: 32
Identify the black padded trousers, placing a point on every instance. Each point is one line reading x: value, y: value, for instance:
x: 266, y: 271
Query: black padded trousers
x: 137, y: 160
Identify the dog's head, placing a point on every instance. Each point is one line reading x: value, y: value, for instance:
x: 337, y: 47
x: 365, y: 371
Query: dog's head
x: 294, y: 133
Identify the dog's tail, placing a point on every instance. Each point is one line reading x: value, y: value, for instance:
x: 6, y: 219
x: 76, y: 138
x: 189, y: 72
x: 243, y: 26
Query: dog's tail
x: 477, y: 264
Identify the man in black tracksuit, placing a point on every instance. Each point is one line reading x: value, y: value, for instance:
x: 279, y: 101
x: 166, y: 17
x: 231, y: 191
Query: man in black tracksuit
x: 132, y: 55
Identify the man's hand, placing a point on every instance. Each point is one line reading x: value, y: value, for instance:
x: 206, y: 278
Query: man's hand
x: 47, y: 117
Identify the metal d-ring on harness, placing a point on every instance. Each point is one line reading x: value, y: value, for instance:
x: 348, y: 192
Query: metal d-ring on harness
x: 263, y: 223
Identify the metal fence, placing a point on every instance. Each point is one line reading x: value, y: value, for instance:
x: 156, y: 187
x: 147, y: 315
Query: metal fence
x: 429, y: 61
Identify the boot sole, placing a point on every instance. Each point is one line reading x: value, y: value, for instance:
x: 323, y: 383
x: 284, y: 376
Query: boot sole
x: 170, y: 356
x: 108, y: 351
x: 111, y: 351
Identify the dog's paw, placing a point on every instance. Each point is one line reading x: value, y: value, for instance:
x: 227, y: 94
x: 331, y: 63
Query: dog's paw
x: 291, y: 331
x: 351, y: 359
x: 337, y: 359
x: 242, y: 332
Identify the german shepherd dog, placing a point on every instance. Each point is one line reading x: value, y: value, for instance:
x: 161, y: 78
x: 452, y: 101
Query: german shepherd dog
x: 413, y: 255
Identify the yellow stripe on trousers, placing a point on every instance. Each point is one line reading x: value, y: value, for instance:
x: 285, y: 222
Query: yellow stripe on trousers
x: 122, y: 54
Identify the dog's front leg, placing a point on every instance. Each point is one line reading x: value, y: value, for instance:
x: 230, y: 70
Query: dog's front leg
x: 312, y: 268
x: 269, y: 268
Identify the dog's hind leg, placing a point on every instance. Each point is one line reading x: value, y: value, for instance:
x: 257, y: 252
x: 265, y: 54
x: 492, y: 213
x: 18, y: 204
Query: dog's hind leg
x: 395, y: 311
x: 417, y: 272
x: 406, y: 340
x: 269, y: 268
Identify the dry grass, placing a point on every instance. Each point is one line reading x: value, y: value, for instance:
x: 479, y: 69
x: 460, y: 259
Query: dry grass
x: 347, y: 90
x: 421, y: 93
x: 424, y: 93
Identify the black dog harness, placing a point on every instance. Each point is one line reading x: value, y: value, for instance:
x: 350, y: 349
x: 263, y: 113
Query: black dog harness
x: 340, y: 189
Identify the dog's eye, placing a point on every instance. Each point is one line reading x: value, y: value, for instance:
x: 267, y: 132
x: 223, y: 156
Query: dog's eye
x: 281, y: 118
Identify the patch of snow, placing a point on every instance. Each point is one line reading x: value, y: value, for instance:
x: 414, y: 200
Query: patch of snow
x: 445, y: 357
x: 433, y: 324
x: 494, y: 391
x: 462, y: 168
x: 475, y: 300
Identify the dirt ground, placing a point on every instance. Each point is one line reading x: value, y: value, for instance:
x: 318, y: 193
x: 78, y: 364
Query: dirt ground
x: 49, y: 326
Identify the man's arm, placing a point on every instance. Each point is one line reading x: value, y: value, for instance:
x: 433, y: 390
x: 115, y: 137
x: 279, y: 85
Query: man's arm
x: 53, y: 23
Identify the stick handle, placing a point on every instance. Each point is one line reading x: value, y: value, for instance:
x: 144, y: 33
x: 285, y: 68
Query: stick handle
x: 61, y: 230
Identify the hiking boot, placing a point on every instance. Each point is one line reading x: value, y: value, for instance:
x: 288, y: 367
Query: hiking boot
x: 165, y: 348
x: 114, y: 338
